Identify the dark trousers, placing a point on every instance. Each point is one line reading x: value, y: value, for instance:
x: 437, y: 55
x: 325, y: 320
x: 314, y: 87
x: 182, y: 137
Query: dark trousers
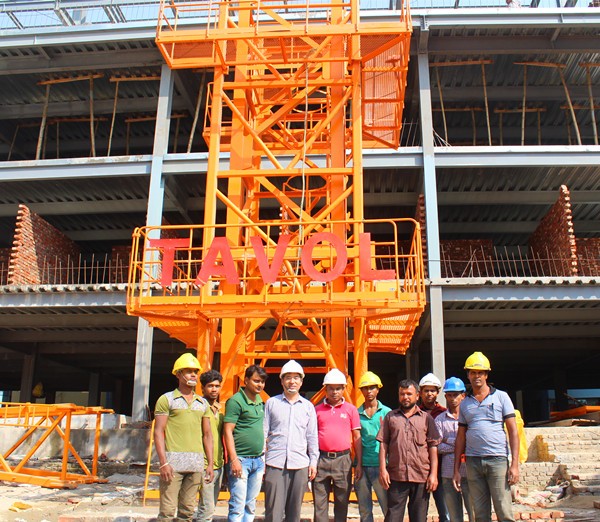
x: 440, y: 502
x: 284, y: 492
x: 417, y: 497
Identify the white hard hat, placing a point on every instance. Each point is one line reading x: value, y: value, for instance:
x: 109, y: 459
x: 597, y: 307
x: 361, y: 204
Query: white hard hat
x: 291, y: 367
x: 430, y: 380
x: 334, y: 376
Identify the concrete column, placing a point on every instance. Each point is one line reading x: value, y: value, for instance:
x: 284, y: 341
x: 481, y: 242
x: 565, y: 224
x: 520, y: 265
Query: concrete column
x: 143, y: 354
x: 94, y: 390
x: 438, y: 366
x: 27, y: 376
x: 412, y: 363
x: 560, y: 389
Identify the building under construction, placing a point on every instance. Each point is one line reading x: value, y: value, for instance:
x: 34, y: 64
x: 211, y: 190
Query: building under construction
x: 376, y: 185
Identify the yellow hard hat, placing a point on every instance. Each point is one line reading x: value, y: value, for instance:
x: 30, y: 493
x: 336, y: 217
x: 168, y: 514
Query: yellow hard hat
x: 477, y: 361
x: 187, y: 360
x: 370, y: 379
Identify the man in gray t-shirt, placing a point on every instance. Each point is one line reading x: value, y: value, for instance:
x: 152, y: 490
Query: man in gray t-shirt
x: 481, y: 437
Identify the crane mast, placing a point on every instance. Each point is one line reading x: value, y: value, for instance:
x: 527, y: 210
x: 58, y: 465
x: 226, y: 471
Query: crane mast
x: 285, y: 265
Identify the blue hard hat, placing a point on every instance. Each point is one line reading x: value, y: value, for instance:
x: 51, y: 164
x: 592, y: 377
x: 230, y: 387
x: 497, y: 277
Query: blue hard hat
x: 454, y: 384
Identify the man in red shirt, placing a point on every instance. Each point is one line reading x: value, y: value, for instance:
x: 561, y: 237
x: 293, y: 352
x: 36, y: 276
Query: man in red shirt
x: 339, y: 429
x: 408, y: 458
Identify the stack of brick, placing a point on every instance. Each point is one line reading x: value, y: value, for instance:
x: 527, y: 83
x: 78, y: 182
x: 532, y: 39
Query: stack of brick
x: 420, y: 218
x: 119, y: 263
x: 4, y: 260
x: 41, y: 254
x: 588, y: 256
x: 552, y: 246
x: 467, y: 257
x: 562, y: 453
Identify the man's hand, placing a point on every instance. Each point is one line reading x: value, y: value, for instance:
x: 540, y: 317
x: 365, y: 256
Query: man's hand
x: 236, y: 468
x: 432, y: 483
x: 209, y: 474
x: 513, y: 473
x: 358, y: 471
x: 312, y: 472
x: 384, y: 478
x: 456, y: 481
x: 166, y: 472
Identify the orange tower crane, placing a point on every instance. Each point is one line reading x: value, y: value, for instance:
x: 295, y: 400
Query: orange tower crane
x: 287, y: 267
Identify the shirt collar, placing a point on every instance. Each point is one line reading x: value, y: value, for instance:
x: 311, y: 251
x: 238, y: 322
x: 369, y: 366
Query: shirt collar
x: 337, y: 405
x: 247, y: 399
x: 492, y: 391
x: 418, y: 411
x: 177, y: 394
x: 362, y: 407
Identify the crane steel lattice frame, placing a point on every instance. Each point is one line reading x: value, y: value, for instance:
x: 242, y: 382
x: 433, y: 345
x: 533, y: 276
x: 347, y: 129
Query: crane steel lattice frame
x: 299, y: 90
x: 40, y: 422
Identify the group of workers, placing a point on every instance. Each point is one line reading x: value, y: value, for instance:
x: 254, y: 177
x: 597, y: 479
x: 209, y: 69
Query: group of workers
x: 460, y: 454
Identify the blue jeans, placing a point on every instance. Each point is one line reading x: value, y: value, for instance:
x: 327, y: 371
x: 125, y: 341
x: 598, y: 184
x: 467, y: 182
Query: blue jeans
x: 454, y: 500
x: 364, y: 487
x: 244, y: 490
x: 488, y: 482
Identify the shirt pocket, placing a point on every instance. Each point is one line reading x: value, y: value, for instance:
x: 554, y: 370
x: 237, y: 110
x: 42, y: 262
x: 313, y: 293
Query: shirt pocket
x: 421, y: 438
x: 494, y: 412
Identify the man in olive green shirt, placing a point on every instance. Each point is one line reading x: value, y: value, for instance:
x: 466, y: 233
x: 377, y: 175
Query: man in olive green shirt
x: 245, y: 441
x: 181, y: 429
x: 209, y: 491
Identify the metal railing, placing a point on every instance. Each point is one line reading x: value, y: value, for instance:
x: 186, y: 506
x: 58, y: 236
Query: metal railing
x: 175, y: 279
x: 81, y: 270
x: 513, y: 262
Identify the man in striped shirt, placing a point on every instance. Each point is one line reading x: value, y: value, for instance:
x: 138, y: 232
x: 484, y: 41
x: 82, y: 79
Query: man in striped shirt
x: 292, y: 447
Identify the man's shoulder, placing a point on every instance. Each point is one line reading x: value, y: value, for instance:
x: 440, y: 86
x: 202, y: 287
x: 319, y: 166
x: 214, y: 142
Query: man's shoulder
x: 348, y: 406
x: 383, y: 408
x: 321, y: 407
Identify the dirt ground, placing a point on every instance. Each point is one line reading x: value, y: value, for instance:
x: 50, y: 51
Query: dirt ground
x: 121, y: 499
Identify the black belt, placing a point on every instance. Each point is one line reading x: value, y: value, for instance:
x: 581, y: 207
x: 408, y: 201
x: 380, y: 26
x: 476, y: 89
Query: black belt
x: 334, y: 454
x: 252, y: 456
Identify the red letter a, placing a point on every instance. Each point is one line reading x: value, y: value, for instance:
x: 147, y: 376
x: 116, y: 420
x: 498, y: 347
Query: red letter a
x: 210, y: 266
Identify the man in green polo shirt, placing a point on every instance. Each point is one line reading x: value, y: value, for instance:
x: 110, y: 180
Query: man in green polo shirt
x: 245, y: 443
x: 181, y: 429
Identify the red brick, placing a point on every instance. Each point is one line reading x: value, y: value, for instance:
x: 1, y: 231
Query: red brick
x: 420, y: 218
x: 588, y: 256
x: 557, y: 514
x: 466, y: 257
x: 41, y: 254
x: 537, y: 515
x: 552, y: 244
x: 525, y: 515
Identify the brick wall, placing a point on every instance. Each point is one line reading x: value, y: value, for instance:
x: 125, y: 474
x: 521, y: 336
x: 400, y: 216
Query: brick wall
x: 119, y: 263
x: 4, y: 260
x: 552, y: 245
x: 466, y: 257
x: 420, y: 218
x: 41, y: 253
x: 588, y: 256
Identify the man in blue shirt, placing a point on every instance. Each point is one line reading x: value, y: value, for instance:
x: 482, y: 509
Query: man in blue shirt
x: 481, y: 437
x: 292, y: 450
x: 371, y: 415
